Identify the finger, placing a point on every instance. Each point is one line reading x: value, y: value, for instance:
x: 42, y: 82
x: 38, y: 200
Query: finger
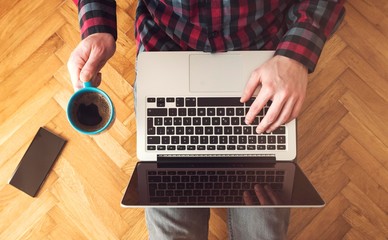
x: 272, y: 115
x: 74, y: 66
x: 261, y: 100
x: 297, y: 109
x: 273, y: 195
x: 247, y: 198
x: 91, y: 68
x: 261, y: 195
x: 96, y: 81
x: 251, y: 85
x: 284, y: 115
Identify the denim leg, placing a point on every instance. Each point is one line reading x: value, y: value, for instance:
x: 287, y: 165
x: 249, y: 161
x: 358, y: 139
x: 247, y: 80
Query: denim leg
x: 258, y: 223
x: 177, y: 223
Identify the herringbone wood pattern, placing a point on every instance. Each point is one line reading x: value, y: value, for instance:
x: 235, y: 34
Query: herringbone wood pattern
x: 343, y: 133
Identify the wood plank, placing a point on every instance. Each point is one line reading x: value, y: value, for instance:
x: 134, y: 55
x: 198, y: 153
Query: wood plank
x: 374, y: 118
x: 28, y: 18
x: 337, y: 230
x: 336, y: 207
x: 321, y: 110
x: 365, y: 71
x: 366, y: 138
x: 17, y: 88
x: 78, y: 210
x: 365, y: 29
x: 367, y: 208
x: 358, y: 222
x: 361, y: 156
x: 101, y: 209
x: 65, y: 226
x: 372, y: 14
x: 322, y: 81
x: 319, y: 127
x: 27, y: 111
x: 354, y: 234
x: 366, y: 184
x: 32, y: 46
x: 18, y: 226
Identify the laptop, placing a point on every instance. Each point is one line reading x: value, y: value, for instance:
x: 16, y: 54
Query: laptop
x: 193, y: 146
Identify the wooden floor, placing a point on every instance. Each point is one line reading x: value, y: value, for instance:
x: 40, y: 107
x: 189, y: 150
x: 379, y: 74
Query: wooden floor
x: 343, y: 132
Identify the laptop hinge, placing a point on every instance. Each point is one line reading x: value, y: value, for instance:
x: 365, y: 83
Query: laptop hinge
x: 217, y: 158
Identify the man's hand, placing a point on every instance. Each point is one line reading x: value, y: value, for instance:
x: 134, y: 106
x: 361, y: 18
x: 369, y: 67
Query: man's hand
x: 282, y: 80
x: 89, y: 57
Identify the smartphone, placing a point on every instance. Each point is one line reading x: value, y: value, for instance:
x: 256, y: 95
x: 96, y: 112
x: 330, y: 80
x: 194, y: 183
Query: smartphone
x: 37, y: 162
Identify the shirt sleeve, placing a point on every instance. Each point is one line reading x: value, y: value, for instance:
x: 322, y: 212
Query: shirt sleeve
x: 97, y: 16
x: 310, y: 23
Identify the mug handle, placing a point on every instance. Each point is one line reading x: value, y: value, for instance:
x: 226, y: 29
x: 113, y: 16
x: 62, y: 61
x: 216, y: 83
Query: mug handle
x: 88, y: 84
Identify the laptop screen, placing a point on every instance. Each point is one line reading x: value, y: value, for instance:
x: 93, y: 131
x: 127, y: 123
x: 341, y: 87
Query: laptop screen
x: 193, y: 184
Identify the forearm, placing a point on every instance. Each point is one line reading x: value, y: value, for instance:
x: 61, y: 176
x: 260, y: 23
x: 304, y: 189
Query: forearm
x: 97, y: 16
x: 310, y: 23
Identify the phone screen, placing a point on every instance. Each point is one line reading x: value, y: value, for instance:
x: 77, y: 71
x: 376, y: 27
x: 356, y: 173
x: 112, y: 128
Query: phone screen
x: 37, y: 162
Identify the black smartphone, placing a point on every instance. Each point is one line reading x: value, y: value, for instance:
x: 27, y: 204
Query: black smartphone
x: 37, y: 162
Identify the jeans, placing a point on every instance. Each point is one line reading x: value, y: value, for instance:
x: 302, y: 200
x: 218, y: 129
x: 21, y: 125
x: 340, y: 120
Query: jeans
x: 192, y: 223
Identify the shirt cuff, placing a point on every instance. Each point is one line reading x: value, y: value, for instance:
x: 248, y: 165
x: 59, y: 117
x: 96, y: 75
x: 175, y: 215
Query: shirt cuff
x: 97, y: 16
x: 303, y: 43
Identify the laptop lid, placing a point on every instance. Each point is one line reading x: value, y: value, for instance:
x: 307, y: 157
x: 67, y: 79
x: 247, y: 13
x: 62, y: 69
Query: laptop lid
x: 202, y: 78
x: 201, y: 184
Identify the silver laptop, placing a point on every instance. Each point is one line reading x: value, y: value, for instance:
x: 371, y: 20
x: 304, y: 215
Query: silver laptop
x: 193, y: 146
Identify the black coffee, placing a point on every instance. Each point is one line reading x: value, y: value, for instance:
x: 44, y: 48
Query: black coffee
x: 90, y: 111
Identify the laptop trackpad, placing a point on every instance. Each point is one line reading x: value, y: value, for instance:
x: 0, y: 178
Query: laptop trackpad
x: 216, y: 73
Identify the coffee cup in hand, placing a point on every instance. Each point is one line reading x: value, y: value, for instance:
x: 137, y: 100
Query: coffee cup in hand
x: 90, y: 110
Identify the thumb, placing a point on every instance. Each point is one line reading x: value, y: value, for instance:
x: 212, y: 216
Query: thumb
x: 251, y: 85
x: 90, y: 69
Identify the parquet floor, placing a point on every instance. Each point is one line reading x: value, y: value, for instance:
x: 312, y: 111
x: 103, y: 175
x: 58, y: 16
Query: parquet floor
x: 343, y: 133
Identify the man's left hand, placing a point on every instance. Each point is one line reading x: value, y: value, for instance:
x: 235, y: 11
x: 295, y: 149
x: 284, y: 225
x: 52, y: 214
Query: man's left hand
x: 282, y: 80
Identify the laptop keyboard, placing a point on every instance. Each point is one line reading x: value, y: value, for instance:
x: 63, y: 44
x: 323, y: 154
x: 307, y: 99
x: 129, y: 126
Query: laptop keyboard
x: 203, y: 123
x: 213, y: 187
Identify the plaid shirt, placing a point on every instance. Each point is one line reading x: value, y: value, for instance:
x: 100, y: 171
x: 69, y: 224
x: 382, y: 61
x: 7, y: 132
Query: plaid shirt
x: 296, y: 29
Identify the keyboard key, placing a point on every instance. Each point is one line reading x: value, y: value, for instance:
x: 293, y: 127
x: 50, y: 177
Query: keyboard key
x: 160, y: 102
x: 180, y: 102
x: 219, y: 102
x: 156, y: 112
x: 172, y: 112
x: 151, y: 100
x: 201, y: 112
x: 153, y: 140
x: 191, y: 102
x: 177, y: 121
x: 211, y: 112
x: 281, y: 147
x: 240, y: 112
x: 280, y: 130
x: 165, y: 140
x: 151, y: 147
x: 182, y: 112
x: 281, y: 139
x: 229, y: 111
x: 220, y: 111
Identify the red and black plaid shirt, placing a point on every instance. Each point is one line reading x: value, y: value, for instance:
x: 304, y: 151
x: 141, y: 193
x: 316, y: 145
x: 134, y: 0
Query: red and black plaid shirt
x: 297, y: 29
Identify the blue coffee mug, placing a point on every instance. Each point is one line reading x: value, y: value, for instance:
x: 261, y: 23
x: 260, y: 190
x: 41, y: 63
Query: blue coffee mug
x: 88, y: 88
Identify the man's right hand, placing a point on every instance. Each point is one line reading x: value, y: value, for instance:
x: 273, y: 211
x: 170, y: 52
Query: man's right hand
x: 89, y: 57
